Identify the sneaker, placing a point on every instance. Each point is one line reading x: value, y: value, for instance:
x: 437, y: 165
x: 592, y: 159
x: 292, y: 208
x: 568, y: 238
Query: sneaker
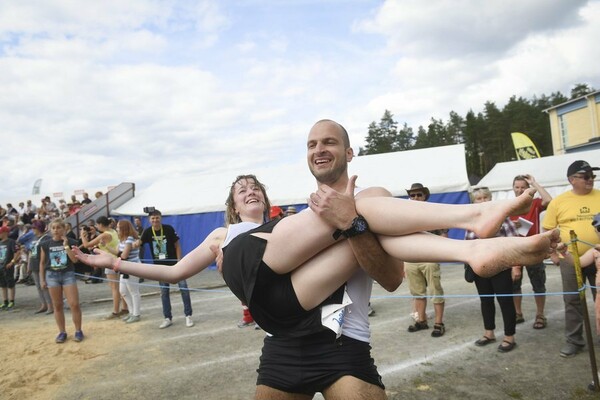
x: 132, y: 319
x: 124, y: 312
x: 3, y: 306
x: 125, y: 318
x: 570, y: 350
x: 244, y: 324
x: 78, y: 336
x: 188, y: 321
x: 11, y: 305
x: 61, y: 338
x: 418, y: 326
x: 165, y: 324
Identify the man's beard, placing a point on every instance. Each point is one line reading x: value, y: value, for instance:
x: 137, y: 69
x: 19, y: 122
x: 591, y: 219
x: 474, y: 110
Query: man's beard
x: 331, y: 176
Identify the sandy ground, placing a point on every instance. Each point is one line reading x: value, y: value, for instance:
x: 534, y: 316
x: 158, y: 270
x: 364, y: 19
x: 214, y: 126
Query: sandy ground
x: 216, y: 360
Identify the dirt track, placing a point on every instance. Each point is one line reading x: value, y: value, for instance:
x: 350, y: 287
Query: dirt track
x: 216, y: 360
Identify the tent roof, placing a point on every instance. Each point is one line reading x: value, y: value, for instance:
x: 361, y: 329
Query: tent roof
x: 442, y: 169
x: 547, y: 171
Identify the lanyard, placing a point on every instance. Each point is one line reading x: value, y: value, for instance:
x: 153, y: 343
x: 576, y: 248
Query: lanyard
x: 161, y: 235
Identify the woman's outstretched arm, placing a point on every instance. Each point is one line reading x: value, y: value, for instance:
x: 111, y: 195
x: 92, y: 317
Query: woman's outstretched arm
x: 196, y: 261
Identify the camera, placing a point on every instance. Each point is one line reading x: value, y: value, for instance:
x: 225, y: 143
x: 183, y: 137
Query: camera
x: 149, y: 210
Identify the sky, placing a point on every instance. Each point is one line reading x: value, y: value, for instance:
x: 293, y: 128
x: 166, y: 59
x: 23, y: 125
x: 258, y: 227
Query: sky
x: 95, y: 93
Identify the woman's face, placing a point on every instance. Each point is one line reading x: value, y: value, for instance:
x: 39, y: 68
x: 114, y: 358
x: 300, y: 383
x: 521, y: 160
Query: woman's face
x: 480, y: 197
x: 248, y: 198
x: 58, y: 231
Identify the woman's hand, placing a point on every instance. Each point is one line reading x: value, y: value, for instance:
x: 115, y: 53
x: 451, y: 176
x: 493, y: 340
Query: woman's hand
x: 99, y: 258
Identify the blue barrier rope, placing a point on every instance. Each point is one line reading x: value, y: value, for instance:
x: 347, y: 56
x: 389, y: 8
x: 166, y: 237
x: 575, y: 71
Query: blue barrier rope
x: 378, y: 296
x: 407, y: 296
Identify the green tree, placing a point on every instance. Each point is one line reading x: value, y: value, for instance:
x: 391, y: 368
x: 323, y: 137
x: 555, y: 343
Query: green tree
x: 382, y: 137
x: 405, y: 139
x: 581, y: 89
x: 473, y: 136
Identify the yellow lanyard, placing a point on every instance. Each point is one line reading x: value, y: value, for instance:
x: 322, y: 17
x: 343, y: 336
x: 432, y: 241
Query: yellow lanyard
x: 159, y: 242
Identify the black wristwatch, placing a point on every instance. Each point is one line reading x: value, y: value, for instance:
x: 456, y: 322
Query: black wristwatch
x: 359, y: 225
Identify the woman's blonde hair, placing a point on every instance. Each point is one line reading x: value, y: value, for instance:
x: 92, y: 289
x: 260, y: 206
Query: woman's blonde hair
x: 126, y: 229
x: 231, y: 217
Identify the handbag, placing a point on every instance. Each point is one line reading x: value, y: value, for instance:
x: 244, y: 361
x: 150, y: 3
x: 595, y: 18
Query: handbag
x: 469, y: 273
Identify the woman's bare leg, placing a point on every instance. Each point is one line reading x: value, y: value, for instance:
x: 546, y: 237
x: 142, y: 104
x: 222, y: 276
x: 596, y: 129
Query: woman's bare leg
x: 72, y: 295
x: 393, y: 217
x: 56, y: 294
x: 487, y: 257
x: 299, y: 237
x: 323, y: 274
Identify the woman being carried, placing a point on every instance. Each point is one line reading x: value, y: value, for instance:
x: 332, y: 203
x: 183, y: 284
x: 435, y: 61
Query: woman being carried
x: 295, y: 264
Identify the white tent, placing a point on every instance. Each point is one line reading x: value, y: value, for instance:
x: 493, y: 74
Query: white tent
x: 442, y: 169
x: 550, y: 172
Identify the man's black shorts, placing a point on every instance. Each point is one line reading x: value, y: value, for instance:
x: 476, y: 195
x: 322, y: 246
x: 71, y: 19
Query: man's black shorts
x: 312, y: 363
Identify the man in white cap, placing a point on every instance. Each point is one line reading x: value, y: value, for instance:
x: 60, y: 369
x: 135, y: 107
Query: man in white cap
x: 575, y: 210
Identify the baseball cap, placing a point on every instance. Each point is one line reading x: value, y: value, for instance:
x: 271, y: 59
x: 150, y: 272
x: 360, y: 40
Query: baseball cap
x: 4, y: 229
x: 275, y: 211
x: 580, y: 166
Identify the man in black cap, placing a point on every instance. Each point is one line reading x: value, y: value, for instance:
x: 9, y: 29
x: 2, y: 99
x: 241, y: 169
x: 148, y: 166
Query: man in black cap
x: 575, y: 210
x: 425, y: 277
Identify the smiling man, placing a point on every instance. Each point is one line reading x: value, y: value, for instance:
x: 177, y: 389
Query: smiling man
x: 575, y: 210
x: 297, y: 368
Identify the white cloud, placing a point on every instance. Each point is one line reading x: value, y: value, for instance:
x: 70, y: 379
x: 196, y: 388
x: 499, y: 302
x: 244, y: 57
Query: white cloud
x: 141, y: 90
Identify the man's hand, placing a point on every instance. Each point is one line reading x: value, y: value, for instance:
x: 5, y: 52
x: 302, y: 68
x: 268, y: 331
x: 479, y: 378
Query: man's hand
x: 218, y: 252
x: 337, y: 209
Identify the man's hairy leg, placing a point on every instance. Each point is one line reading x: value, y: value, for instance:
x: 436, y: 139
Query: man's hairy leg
x: 351, y: 388
x: 268, y: 393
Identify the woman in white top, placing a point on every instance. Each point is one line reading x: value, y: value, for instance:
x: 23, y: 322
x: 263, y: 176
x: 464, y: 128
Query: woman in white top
x: 129, y: 285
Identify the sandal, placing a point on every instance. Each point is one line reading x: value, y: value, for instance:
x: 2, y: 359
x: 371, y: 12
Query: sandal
x: 418, y: 326
x: 438, y: 330
x: 540, y: 322
x: 519, y: 319
x: 508, y: 347
x: 484, y: 341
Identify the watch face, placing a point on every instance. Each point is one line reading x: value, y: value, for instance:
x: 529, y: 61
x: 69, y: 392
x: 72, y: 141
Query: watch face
x: 361, y: 225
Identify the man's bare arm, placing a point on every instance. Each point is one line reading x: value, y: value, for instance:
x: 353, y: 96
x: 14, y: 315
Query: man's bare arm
x: 383, y: 268
x: 339, y: 209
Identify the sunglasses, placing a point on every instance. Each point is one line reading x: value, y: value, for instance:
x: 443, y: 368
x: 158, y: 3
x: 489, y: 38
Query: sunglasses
x: 585, y: 177
x: 413, y: 195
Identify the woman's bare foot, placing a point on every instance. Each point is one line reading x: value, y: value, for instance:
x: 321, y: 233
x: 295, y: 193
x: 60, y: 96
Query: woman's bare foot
x: 491, y: 256
x: 493, y: 213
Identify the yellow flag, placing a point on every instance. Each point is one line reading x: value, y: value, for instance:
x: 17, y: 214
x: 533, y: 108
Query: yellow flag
x: 524, y: 147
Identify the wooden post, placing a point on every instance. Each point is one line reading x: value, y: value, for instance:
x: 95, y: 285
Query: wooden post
x: 586, y: 315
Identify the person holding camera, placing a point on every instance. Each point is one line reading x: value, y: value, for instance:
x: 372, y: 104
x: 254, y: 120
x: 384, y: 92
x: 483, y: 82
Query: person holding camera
x: 166, y: 250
